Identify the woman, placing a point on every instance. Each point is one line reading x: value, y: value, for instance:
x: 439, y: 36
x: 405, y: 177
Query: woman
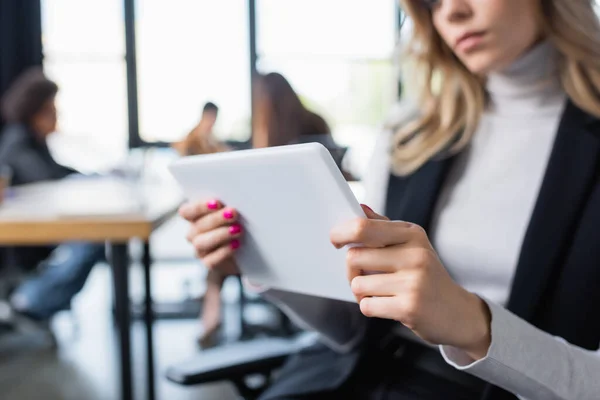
x: 512, y: 217
x: 201, y: 141
x: 279, y: 119
x: 493, y: 195
x: 29, y: 109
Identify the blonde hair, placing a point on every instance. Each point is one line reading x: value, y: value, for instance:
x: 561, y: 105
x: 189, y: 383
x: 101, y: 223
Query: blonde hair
x: 451, y: 99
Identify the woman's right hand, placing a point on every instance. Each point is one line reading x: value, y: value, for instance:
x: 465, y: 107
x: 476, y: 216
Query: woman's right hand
x: 214, y: 232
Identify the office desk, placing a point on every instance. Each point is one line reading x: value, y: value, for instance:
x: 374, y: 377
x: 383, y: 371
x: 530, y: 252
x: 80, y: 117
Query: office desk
x: 97, y: 210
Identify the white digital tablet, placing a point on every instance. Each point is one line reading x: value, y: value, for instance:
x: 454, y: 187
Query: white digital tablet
x: 289, y: 198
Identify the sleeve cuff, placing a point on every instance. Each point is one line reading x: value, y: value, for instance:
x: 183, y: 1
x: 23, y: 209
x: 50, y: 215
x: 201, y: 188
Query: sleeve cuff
x: 461, y: 360
x: 521, y: 359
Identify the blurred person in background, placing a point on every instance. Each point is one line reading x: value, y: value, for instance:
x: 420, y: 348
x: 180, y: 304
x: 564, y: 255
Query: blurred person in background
x: 201, y: 140
x: 280, y: 118
x: 29, y: 110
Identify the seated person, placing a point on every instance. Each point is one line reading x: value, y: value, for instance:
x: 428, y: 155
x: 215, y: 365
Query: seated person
x: 488, y: 280
x: 30, y: 112
x: 200, y: 140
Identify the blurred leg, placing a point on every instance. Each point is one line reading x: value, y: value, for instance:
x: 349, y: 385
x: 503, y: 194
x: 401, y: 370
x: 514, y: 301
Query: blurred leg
x: 211, y: 308
x: 62, y: 276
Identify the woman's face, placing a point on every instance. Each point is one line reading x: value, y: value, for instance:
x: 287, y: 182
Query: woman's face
x: 44, y: 121
x: 487, y: 35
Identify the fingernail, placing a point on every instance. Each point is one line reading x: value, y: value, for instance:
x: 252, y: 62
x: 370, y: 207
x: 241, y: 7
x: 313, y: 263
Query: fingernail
x: 367, y: 207
x: 235, y: 244
x: 228, y: 214
x: 183, y: 210
x: 235, y: 229
x: 212, y: 205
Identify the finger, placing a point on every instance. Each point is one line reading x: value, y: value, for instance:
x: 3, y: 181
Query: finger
x: 192, y: 211
x: 372, y: 214
x: 375, y: 233
x: 209, y: 241
x: 405, y: 258
x: 217, y: 257
x: 380, y: 285
x: 365, y: 259
x: 213, y: 221
x: 380, y: 307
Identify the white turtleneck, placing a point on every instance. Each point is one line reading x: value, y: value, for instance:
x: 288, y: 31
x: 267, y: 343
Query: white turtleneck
x: 489, y: 196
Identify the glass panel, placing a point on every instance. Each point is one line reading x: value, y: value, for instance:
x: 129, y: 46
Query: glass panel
x: 338, y: 56
x: 190, y: 52
x: 84, y: 53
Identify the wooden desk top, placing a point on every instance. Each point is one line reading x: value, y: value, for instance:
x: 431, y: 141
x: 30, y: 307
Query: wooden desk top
x: 90, y: 209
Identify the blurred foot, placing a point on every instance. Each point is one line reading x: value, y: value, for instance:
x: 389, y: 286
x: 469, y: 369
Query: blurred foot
x: 20, y: 320
x: 6, y: 320
x: 209, y: 336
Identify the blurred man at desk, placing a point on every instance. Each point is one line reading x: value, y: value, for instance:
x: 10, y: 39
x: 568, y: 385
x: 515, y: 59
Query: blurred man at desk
x: 60, y: 272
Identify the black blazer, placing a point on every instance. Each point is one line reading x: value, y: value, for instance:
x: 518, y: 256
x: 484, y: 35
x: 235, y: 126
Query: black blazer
x: 557, y: 282
x: 30, y: 161
x: 29, y: 158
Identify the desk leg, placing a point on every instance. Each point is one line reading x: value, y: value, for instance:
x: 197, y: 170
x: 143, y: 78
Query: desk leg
x: 149, y: 320
x: 120, y: 269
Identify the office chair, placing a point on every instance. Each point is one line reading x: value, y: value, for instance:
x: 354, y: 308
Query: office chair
x: 249, y: 365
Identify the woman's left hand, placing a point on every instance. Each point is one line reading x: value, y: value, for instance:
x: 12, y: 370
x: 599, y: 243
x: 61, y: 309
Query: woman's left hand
x: 395, y: 274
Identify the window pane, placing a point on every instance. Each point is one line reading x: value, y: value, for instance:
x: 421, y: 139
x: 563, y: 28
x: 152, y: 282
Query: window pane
x: 83, y: 27
x: 338, y: 56
x: 349, y: 28
x: 92, y: 106
x: 190, y: 52
x: 84, y: 54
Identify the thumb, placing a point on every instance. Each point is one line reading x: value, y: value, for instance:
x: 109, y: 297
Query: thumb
x: 372, y: 214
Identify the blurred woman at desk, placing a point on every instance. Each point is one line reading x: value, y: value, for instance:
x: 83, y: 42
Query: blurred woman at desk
x: 280, y: 118
x: 30, y: 111
x: 488, y: 281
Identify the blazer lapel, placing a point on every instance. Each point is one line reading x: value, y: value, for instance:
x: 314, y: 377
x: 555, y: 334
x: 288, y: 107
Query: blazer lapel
x: 413, y: 198
x: 572, y: 167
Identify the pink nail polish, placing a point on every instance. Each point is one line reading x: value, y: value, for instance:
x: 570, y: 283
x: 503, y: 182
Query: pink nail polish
x: 235, y: 229
x: 235, y: 244
x: 228, y: 214
x: 367, y: 207
x: 212, y: 205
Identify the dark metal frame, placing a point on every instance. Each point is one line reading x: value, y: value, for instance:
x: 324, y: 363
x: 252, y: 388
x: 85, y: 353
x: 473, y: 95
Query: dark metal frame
x: 131, y: 65
x: 120, y: 264
x: 253, y: 56
x: 134, y: 138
